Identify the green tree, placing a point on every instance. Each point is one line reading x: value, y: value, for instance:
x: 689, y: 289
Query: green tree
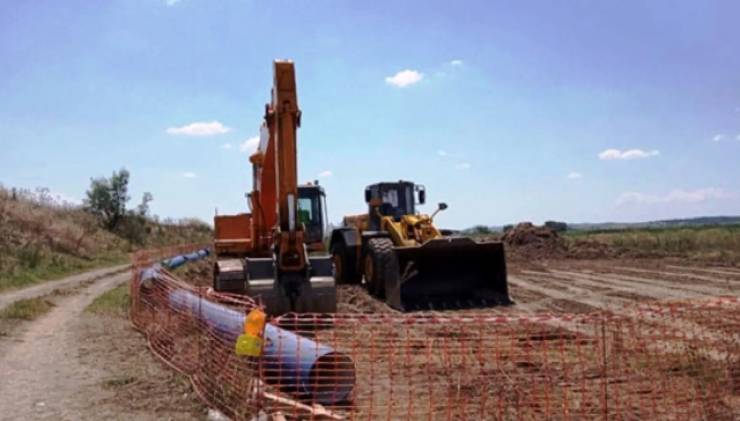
x: 143, y: 208
x: 107, y: 198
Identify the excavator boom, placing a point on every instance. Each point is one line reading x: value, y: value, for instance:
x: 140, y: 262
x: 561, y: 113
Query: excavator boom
x: 270, y: 262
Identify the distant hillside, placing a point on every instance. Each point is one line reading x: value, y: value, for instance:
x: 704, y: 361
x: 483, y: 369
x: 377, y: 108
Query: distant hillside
x: 701, y: 221
x: 43, y: 237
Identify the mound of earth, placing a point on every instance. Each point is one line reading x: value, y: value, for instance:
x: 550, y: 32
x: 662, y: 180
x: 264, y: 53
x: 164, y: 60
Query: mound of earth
x: 591, y: 249
x: 528, y: 241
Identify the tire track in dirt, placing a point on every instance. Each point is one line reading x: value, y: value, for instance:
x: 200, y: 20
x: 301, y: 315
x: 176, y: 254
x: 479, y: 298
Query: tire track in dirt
x: 555, y: 295
x: 609, y: 289
x: 727, y: 284
x: 42, y: 375
x: 621, y: 307
x: 657, y: 287
x: 718, y: 271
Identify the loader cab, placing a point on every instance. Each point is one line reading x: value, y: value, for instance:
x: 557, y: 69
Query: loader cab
x: 312, y: 213
x: 392, y: 199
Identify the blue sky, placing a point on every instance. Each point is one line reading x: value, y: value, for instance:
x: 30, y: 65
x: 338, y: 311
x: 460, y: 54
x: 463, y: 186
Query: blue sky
x: 507, y: 111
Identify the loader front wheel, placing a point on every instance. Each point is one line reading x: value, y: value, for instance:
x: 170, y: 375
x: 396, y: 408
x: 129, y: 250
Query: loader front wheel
x: 379, y: 265
x: 345, y: 265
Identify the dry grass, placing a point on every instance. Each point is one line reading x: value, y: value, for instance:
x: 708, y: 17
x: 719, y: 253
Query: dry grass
x: 719, y: 244
x: 29, y: 309
x: 136, y: 382
x: 41, y: 239
x: 115, y: 302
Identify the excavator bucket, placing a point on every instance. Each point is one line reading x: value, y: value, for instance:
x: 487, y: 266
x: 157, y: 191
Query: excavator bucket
x: 310, y: 292
x: 449, y: 273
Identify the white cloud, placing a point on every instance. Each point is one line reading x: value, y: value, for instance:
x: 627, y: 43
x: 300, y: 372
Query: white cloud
x: 441, y: 152
x: 326, y: 173
x: 200, y: 128
x: 463, y: 166
x: 456, y: 62
x: 738, y: 137
x: 249, y: 145
x: 573, y: 175
x: 171, y: 2
x: 226, y: 146
x: 188, y: 174
x: 404, y: 78
x: 674, y: 196
x: 718, y: 137
x: 611, y: 154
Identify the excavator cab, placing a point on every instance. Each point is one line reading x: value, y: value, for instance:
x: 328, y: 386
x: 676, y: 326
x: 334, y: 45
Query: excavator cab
x: 312, y: 214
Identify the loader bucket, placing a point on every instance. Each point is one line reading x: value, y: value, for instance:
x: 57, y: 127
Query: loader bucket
x: 449, y: 273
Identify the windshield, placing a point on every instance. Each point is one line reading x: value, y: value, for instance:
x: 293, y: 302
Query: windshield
x: 398, y: 200
x: 310, y: 214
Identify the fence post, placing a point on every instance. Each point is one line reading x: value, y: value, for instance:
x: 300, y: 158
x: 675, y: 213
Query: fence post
x: 605, y: 395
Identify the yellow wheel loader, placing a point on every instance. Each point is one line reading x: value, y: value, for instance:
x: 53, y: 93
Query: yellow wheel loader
x: 403, y: 258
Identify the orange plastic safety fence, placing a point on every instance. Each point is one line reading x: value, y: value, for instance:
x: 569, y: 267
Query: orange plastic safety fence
x: 665, y: 360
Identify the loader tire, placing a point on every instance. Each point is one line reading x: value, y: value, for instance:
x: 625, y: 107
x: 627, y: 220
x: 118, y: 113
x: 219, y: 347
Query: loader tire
x: 380, y: 266
x: 345, y: 266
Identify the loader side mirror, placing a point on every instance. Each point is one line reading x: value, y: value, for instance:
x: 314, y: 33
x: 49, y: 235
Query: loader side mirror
x: 422, y: 196
x: 440, y: 207
x: 368, y: 196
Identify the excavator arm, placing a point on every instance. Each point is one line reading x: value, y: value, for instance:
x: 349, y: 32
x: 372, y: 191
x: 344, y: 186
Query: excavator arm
x: 283, y: 118
x: 287, y: 280
x: 277, y: 269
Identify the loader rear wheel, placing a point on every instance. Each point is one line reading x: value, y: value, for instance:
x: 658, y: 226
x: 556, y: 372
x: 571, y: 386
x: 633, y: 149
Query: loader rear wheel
x: 379, y: 266
x: 345, y: 265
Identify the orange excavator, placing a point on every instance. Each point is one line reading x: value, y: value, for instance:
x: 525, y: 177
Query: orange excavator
x: 265, y: 253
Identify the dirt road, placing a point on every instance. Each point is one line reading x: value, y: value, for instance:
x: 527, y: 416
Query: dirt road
x: 42, y: 376
x: 70, y: 364
x: 68, y: 282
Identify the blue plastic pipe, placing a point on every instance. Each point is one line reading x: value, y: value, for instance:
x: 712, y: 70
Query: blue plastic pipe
x: 292, y: 361
x: 177, y: 261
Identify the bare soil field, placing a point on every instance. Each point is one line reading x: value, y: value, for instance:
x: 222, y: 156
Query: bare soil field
x: 73, y: 364
x: 424, y: 368
x: 564, y: 285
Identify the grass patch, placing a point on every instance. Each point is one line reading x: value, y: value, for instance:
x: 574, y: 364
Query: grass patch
x: 29, y: 309
x: 115, y: 302
x: 716, y: 243
x: 119, y: 381
x: 47, y: 268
